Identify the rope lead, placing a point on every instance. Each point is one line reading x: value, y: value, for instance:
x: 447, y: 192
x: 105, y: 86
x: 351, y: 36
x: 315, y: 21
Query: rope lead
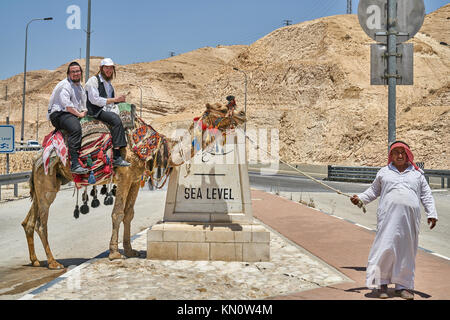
x: 360, y: 203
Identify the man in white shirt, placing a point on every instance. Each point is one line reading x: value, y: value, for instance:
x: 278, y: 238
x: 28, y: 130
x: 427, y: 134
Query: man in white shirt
x: 67, y: 105
x: 401, y: 186
x: 101, y: 102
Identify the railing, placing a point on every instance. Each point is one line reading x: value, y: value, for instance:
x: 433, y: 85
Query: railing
x: 14, y: 178
x: 27, y: 148
x: 368, y: 174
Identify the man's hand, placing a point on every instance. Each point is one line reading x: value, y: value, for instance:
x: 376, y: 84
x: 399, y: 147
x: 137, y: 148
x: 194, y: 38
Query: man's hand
x: 76, y: 113
x: 433, y: 222
x: 354, y: 199
x: 119, y: 99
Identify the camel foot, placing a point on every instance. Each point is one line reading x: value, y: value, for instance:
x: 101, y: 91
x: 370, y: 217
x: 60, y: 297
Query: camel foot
x: 54, y: 265
x: 115, y: 255
x: 36, y: 263
x: 132, y: 253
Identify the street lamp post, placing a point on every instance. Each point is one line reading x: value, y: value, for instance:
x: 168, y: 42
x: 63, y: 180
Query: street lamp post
x: 140, y: 88
x: 141, y: 101
x: 245, y: 97
x: 25, y: 77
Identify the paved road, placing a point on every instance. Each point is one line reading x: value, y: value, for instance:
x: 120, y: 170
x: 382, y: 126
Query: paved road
x: 296, y: 183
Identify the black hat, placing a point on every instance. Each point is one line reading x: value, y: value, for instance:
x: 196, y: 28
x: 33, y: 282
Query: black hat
x: 230, y: 98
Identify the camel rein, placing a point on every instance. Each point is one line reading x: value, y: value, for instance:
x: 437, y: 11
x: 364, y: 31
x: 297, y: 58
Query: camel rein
x: 360, y: 203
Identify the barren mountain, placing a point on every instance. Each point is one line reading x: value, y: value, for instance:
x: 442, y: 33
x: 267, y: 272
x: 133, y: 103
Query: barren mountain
x: 311, y: 81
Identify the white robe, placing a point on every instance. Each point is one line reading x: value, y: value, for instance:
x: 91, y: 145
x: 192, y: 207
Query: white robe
x: 393, y: 253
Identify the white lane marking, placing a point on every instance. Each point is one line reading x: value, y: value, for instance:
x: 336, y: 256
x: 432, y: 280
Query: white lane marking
x: 440, y: 256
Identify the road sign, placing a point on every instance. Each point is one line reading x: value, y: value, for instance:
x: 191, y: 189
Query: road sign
x: 7, y: 139
x: 373, y: 18
x: 379, y: 64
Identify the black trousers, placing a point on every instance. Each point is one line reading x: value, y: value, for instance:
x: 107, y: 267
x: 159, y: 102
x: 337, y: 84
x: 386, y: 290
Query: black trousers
x: 71, y: 124
x: 116, y: 128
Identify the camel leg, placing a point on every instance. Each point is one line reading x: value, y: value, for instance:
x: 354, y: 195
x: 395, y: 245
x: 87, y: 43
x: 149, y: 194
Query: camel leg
x: 28, y: 225
x: 43, y: 189
x: 41, y: 229
x: 129, y: 214
x: 117, y: 217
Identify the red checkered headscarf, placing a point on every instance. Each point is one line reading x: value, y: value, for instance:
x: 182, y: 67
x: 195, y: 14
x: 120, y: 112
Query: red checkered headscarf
x: 410, y: 156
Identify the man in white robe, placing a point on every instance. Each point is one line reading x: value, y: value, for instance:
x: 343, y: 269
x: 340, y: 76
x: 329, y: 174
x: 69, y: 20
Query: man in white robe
x: 401, y: 186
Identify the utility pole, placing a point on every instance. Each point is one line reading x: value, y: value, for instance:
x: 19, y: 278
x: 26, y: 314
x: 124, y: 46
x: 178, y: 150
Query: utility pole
x: 245, y: 96
x: 287, y: 22
x: 349, y: 6
x: 7, y: 122
x: 392, y: 69
x: 37, y: 123
x: 88, y: 42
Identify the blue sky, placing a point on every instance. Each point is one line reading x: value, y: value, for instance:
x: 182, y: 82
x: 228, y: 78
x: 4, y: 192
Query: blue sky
x: 145, y: 30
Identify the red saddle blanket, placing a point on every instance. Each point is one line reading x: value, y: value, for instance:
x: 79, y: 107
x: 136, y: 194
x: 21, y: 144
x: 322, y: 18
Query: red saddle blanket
x: 95, y: 155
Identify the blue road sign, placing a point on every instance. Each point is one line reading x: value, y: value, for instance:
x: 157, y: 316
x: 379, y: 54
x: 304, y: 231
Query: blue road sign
x: 7, y: 139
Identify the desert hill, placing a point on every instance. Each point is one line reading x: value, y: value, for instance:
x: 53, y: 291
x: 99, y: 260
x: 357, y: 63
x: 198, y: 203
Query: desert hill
x: 311, y: 81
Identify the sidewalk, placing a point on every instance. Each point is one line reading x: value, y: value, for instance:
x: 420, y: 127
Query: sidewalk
x: 344, y: 246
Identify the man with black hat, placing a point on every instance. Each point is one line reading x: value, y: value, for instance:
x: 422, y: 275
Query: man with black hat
x: 101, y: 105
x: 67, y: 105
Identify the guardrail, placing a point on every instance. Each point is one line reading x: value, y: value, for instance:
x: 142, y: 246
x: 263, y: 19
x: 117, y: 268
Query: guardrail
x: 368, y: 174
x: 25, y: 148
x: 14, y: 178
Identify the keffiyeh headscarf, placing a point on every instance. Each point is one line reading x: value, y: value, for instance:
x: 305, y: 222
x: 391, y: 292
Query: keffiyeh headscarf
x: 409, y: 154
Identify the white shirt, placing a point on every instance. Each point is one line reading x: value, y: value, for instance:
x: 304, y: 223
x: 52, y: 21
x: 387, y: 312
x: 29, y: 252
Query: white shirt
x: 94, y: 95
x: 67, y: 95
x: 412, y: 181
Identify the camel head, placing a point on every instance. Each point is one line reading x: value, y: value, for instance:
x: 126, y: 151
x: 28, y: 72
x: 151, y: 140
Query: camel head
x: 217, y: 116
x: 214, y: 123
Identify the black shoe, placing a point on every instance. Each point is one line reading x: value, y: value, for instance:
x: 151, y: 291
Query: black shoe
x: 78, y: 169
x: 119, y: 162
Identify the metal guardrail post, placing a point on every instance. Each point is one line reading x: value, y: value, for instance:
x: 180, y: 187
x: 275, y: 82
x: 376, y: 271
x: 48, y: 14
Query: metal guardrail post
x: 15, y: 179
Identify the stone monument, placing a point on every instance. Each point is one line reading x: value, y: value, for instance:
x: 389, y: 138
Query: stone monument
x: 208, y: 212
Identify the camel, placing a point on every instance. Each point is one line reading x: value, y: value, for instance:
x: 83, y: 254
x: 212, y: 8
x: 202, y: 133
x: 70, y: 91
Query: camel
x: 43, y: 188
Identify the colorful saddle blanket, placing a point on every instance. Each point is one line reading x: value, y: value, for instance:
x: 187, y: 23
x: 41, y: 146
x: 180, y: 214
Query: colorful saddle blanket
x: 96, y: 156
x: 151, y: 147
x: 54, y: 143
x: 145, y: 141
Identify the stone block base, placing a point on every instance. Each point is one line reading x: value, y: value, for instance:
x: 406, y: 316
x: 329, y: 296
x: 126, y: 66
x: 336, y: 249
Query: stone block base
x: 208, y: 241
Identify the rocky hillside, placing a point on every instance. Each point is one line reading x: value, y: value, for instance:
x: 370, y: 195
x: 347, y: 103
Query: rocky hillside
x: 311, y: 81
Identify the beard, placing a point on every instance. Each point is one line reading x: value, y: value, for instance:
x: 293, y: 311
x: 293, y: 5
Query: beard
x: 76, y: 81
x: 106, y: 77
